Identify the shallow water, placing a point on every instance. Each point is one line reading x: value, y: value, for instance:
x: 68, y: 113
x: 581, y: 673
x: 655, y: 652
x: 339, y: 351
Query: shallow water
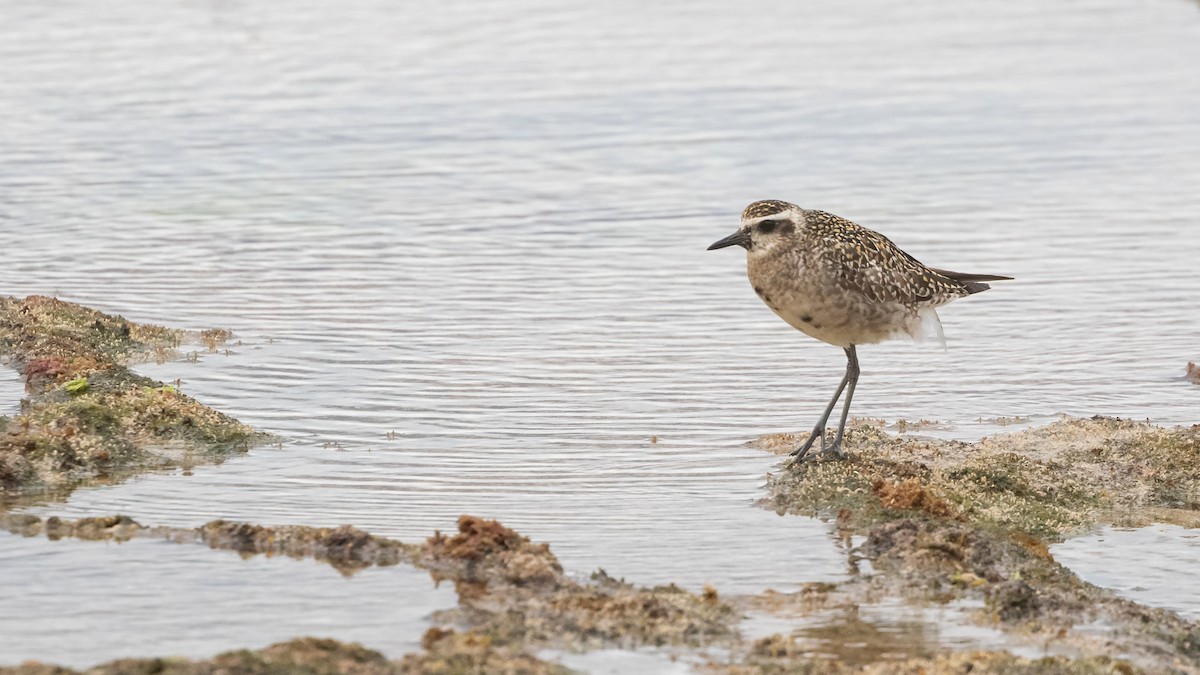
x: 482, y: 228
x: 890, y: 630
x: 12, y: 388
x: 619, y: 662
x: 157, y: 598
x: 1154, y: 565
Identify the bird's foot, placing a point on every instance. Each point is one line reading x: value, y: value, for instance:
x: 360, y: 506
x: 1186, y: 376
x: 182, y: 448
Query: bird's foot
x: 831, y: 452
x: 834, y: 451
x: 801, y: 452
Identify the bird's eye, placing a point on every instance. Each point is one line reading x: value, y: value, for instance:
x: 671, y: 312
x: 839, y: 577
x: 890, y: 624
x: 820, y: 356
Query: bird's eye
x: 767, y: 226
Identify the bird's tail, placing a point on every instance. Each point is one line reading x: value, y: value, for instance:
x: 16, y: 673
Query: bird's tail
x: 972, y: 282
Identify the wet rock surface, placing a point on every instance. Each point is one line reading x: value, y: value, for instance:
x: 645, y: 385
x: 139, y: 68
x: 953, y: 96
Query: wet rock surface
x: 87, y: 415
x: 946, y: 520
x: 515, y: 591
x: 1048, y: 482
x: 778, y: 654
x: 345, y: 548
x: 446, y: 652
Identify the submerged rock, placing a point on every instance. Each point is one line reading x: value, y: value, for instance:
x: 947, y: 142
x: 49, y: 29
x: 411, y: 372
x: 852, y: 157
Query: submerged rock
x: 347, y: 548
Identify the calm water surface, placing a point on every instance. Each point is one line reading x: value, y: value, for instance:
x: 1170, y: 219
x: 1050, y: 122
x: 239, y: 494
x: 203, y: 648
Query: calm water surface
x: 147, y: 597
x: 1154, y: 565
x: 891, y: 630
x: 482, y: 228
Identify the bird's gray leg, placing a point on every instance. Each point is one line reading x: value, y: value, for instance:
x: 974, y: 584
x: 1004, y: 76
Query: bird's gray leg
x: 852, y: 372
x: 819, y: 430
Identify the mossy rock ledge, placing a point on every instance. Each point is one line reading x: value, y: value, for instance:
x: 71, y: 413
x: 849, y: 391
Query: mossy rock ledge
x: 86, y: 415
x: 945, y: 520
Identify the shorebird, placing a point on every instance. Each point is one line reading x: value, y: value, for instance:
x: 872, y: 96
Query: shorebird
x: 841, y: 283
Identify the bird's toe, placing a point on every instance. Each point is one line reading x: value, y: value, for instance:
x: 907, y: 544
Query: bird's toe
x: 831, y: 453
x: 807, y: 445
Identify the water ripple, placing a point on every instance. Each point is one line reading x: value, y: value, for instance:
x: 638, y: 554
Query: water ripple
x: 462, y: 246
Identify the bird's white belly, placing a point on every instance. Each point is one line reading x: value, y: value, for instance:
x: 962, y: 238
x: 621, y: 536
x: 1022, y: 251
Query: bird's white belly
x: 824, y: 325
x: 842, y: 323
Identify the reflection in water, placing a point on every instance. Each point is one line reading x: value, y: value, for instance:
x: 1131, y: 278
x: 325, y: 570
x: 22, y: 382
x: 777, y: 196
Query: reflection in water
x: 463, y: 247
x: 844, y: 635
x: 620, y: 662
x: 888, y: 630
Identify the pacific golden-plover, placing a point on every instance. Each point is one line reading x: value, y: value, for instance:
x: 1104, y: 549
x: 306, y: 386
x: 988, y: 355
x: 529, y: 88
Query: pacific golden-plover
x: 841, y: 283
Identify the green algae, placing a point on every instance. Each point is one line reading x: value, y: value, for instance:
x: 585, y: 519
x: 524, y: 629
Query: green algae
x: 87, y: 415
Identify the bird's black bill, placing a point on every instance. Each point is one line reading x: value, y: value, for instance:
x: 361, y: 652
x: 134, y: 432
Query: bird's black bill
x: 738, y: 238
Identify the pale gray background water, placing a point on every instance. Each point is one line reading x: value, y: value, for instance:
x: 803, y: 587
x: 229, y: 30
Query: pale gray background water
x: 482, y: 226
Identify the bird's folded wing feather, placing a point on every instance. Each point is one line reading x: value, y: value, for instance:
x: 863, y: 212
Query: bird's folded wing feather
x: 865, y: 262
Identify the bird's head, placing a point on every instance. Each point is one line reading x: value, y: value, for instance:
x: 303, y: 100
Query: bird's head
x: 764, y: 225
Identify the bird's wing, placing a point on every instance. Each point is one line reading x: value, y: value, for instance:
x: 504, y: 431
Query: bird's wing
x: 868, y: 263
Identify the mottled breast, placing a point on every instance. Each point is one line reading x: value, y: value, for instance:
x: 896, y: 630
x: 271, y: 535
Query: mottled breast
x: 799, y: 290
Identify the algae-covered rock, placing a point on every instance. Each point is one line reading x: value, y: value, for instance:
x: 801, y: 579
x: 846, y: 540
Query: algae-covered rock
x: 484, y: 550
x: 946, y: 519
x: 778, y: 654
x: 302, y: 656
x: 515, y: 592
x: 1046, y: 482
x: 347, y: 548
x: 449, y: 652
x: 87, y: 415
